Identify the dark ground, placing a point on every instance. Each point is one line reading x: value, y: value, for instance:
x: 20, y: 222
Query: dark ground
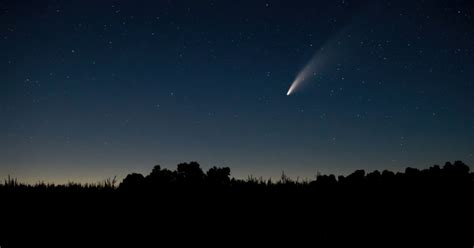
x: 426, y: 208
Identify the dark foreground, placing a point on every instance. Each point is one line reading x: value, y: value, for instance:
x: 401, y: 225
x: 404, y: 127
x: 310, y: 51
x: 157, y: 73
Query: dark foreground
x: 427, y: 208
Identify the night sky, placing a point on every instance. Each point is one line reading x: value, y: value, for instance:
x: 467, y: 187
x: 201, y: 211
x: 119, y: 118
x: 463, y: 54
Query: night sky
x: 94, y: 89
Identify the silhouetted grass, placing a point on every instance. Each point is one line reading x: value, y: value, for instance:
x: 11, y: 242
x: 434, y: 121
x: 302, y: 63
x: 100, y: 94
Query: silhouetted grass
x: 433, y: 204
x: 190, y: 176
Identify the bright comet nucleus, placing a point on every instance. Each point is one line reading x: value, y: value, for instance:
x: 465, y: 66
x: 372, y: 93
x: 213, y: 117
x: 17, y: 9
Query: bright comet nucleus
x: 293, y: 86
x: 304, y: 74
x: 311, y: 69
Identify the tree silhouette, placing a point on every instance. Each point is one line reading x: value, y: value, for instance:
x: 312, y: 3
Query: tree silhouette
x: 218, y: 176
x: 161, y: 178
x: 437, y: 200
x: 190, y: 174
x: 133, y: 181
x: 374, y: 177
x: 356, y: 177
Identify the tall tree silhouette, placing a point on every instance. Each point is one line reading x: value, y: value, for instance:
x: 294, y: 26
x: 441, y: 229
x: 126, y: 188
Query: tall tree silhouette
x: 134, y: 181
x: 161, y: 178
x: 218, y: 176
x: 190, y: 174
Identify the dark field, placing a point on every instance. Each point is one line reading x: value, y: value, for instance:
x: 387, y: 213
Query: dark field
x: 424, y: 207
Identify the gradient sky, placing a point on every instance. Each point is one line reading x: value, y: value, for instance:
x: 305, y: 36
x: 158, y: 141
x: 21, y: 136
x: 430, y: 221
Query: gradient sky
x: 93, y: 89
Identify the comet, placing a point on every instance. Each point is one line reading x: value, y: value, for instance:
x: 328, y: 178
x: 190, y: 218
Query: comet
x: 311, y: 69
x: 335, y: 49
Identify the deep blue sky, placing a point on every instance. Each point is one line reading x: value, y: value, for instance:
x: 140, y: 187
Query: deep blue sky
x: 93, y: 89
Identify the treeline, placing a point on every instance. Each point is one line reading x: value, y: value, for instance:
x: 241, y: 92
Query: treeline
x: 191, y: 177
x: 429, y: 205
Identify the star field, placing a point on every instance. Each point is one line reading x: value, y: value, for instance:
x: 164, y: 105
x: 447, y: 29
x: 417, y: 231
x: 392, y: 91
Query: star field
x: 93, y: 89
